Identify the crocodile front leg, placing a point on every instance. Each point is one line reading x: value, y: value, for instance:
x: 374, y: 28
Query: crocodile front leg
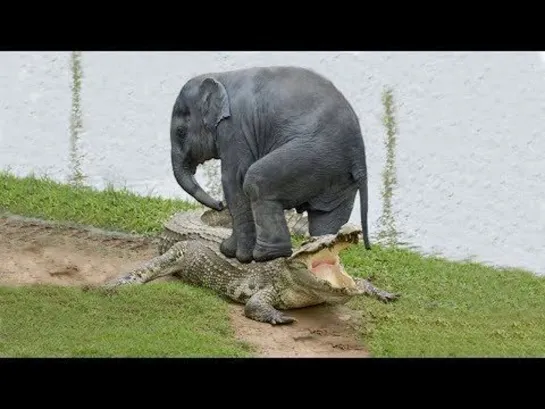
x: 260, y: 308
x: 166, y: 264
x: 366, y: 288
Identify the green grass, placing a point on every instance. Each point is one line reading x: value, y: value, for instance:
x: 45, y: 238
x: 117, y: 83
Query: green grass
x: 446, y: 308
x: 449, y: 309
x: 122, y: 210
x: 162, y: 319
x: 158, y: 320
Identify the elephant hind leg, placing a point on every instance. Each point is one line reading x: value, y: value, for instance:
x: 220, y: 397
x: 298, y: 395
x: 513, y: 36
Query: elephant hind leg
x: 322, y: 222
x: 273, y: 238
x: 285, y: 178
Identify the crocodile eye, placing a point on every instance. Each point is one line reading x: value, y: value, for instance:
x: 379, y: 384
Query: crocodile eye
x: 308, y: 240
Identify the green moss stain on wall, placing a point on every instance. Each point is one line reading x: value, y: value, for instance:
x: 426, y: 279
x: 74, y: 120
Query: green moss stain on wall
x: 76, y: 124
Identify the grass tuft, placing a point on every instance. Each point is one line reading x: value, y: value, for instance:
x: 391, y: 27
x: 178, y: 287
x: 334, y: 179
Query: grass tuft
x: 157, y: 320
x: 121, y: 209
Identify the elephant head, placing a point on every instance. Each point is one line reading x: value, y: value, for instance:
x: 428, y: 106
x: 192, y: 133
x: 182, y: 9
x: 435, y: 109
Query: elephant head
x: 201, y: 105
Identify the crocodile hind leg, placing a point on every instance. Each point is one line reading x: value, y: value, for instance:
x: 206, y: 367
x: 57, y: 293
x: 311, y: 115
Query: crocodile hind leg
x: 166, y: 264
x: 260, y: 308
x: 367, y: 288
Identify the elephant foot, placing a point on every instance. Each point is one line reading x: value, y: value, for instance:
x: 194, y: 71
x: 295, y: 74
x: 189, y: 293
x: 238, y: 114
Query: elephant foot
x: 244, y: 256
x: 269, y: 252
x: 231, y: 249
x: 228, y: 247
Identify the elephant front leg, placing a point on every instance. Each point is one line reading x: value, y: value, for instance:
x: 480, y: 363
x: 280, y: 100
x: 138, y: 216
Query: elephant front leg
x: 242, y: 240
x: 243, y: 235
x: 228, y: 247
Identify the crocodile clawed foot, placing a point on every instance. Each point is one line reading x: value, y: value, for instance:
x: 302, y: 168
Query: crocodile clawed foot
x: 369, y: 289
x: 385, y: 296
x: 281, y: 319
x: 259, y: 308
x: 270, y: 316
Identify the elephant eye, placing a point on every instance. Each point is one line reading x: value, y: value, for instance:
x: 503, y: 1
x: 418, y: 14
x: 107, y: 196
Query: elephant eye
x: 181, y: 133
x: 183, y: 112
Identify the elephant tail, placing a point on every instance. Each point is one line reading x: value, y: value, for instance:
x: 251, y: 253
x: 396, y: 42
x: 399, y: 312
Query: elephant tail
x: 364, y: 205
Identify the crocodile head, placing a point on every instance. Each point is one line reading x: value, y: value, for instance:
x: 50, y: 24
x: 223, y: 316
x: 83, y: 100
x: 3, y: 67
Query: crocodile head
x: 317, y: 265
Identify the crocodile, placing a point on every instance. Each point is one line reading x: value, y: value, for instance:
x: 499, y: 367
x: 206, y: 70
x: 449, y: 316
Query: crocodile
x: 313, y: 274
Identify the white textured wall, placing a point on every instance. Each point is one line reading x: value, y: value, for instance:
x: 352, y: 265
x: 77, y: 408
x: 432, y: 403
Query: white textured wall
x: 471, y: 133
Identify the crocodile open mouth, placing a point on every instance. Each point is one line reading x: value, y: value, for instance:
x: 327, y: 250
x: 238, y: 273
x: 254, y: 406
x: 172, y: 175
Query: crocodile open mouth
x: 320, y: 254
x: 326, y: 265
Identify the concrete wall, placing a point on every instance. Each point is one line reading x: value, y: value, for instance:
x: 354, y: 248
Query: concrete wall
x: 469, y: 157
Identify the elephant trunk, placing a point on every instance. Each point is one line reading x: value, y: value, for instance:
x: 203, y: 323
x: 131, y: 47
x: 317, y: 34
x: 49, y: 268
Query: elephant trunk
x: 185, y: 176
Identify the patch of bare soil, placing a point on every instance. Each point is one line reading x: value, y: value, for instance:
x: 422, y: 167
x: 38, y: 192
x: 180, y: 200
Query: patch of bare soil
x: 38, y: 252
x: 319, y: 332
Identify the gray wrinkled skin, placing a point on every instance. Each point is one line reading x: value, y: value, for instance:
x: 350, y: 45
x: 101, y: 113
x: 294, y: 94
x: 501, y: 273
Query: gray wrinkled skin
x: 189, y: 250
x: 287, y: 139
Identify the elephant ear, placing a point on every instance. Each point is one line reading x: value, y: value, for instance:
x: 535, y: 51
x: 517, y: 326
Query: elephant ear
x: 214, y: 102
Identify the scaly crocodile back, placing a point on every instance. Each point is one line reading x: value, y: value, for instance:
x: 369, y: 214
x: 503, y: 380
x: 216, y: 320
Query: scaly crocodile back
x: 215, y: 226
x: 200, y: 224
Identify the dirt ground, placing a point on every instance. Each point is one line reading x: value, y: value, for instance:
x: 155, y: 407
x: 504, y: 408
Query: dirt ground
x: 35, y: 252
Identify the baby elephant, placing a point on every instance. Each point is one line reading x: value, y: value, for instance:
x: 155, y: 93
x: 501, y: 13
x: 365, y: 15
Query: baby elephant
x: 286, y: 138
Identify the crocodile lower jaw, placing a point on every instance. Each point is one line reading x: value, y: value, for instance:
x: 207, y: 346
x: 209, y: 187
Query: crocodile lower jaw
x: 326, y: 265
